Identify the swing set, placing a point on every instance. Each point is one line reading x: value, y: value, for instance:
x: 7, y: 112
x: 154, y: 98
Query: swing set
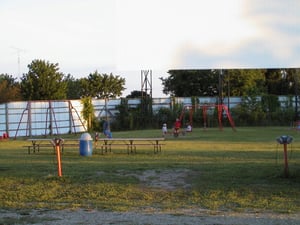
x: 220, y: 107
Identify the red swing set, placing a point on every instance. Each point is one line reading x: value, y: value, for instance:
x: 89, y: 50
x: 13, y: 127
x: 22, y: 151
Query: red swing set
x: 220, y: 107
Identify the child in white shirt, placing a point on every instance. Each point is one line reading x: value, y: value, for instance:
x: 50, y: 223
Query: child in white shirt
x: 164, y: 129
x: 188, y: 128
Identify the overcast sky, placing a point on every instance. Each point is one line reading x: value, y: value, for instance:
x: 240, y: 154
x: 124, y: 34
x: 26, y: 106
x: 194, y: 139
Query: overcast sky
x: 125, y: 36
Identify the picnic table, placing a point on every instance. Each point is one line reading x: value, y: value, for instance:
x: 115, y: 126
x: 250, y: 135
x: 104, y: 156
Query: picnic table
x: 131, y: 143
x: 106, y: 144
x: 37, y: 143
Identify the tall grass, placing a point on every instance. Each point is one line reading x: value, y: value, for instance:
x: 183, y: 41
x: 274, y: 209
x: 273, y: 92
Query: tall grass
x: 227, y: 170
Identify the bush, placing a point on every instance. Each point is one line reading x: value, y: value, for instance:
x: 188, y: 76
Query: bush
x: 281, y: 117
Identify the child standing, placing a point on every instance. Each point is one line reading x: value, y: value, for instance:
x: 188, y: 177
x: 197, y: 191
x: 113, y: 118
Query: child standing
x: 164, y: 130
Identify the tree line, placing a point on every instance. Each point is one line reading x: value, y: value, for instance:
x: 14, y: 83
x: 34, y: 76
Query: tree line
x: 44, y: 81
x: 232, y: 82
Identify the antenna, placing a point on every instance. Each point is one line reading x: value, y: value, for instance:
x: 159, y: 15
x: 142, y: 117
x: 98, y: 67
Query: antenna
x: 18, y: 52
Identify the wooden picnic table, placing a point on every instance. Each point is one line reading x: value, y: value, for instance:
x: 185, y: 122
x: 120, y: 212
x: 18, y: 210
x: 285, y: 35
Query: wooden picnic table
x: 106, y: 143
x: 131, y: 143
x: 37, y: 143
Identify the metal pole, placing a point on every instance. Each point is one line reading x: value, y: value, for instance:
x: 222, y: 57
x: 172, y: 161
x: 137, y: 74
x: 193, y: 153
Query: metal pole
x: 286, y: 166
x: 57, y: 142
x: 70, y: 117
x: 106, y: 114
x: 220, y: 87
x: 50, y: 117
x: 6, y: 119
x: 29, y: 121
x: 296, y: 108
x: 296, y: 80
x: 228, y: 95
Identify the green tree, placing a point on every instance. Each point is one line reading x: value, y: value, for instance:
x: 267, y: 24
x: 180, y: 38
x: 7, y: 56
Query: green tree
x: 73, y: 87
x: 124, y: 118
x: 273, y: 81
x: 9, y: 89
x: 43, y: 82
x: 102, y: 85
x: 250, y: 111
x: 244, y: 82
x: 88, y: 111
x: 137, y: 94
x: 281, y: 81
x: 239, y: 82
x: 187, y: 83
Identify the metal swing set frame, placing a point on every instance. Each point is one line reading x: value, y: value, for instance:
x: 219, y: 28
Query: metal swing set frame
x: 220, y: 107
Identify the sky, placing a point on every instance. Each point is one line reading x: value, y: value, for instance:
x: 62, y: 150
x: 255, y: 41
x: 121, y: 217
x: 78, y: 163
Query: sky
x: 123, y: 37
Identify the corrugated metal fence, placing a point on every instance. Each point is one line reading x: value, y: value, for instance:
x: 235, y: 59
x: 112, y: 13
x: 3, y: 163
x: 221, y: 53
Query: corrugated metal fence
x: 32, y: 118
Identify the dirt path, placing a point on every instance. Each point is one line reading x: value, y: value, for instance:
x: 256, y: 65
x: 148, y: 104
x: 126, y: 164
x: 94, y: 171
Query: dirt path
x: 45, y: 217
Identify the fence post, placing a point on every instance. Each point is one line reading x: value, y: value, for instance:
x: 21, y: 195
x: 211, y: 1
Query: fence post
x: 70, y: 116
x: 29, y: 123
x: 6, y: 119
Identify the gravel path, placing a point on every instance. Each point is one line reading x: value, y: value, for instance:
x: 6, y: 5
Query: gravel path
x: 46, y: 217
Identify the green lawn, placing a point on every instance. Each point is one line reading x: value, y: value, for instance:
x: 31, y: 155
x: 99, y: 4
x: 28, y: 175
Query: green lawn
x: 227, y: 170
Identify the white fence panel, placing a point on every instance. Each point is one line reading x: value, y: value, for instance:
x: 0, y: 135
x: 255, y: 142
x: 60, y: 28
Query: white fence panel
x: 61, y: 117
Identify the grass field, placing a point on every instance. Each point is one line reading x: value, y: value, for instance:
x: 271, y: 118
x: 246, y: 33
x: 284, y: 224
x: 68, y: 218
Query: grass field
x: 225, y: 170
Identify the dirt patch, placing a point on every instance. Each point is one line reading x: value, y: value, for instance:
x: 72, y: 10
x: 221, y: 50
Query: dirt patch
x: 166, y: 179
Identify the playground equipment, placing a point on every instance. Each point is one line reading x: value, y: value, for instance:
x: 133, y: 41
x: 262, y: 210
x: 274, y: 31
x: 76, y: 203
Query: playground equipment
x: 220, y: 107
